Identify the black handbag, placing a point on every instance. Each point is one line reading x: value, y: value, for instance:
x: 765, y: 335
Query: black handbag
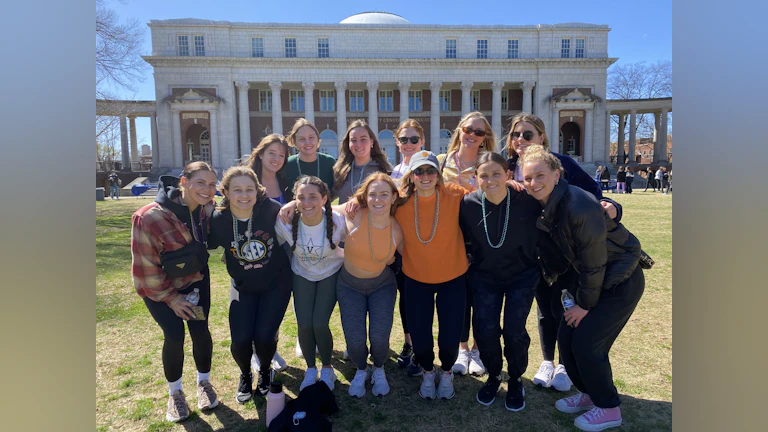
x: 646, y: 261
x: 182, y: 262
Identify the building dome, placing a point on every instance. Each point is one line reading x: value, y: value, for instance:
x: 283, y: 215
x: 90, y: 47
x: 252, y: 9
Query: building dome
x: 375, y: 18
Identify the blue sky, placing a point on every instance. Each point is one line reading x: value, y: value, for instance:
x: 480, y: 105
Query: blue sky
x: 640, y: 30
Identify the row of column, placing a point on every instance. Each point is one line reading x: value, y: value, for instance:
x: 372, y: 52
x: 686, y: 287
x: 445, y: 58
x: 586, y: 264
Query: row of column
x: 659, y: 135
x: 373, y: 104
x: 130, y: 153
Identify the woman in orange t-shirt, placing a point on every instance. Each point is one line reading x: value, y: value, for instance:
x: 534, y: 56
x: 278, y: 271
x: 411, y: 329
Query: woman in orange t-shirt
x: 434, y: 263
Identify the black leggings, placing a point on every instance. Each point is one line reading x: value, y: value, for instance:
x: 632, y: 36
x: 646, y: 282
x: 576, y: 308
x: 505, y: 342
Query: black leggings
x: 549, y: 311
x: 173, y: 332
x: 396, y: 268
x: 254, y: 320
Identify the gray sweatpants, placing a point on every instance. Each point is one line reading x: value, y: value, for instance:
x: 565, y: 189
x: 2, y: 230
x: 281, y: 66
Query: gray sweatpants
x: 372, y: 298
x: 313, y: 303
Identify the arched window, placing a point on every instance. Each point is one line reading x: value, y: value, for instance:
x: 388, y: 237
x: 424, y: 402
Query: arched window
x: 388, y: 146
x: 445, y: 141
x: 328, y: 134
x: 329, y: 143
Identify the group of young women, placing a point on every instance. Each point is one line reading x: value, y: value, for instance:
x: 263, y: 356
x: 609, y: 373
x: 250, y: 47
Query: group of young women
x: 468, y: 231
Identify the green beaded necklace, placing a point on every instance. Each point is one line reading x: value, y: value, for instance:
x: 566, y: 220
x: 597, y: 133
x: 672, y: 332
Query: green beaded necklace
x: 506, y: 222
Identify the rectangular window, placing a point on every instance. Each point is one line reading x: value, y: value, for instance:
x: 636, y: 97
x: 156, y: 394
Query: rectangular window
x: 257, y: 47
x: 265, y: 100
x: 290, y: 47
x: 475, y: 100
x: 505, y: 100
x: 414, y: 100
x: 323, y: 48
x: 385, y: 100
x: 296, y: 98
x: 183, y: 45
x: 200, y: 46
x: 513, y: 50
x: 356, y: 100
x: 450, y: 48
x: 445, y: 100
x: 327, y: 100
x: 579, y: 48
x: 565, y: 48
x: 482, y: 48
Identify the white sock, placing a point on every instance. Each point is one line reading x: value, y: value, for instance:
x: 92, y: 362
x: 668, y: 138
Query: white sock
x: 174, y: 386
x: 203, y: 376
x: 547, y: 361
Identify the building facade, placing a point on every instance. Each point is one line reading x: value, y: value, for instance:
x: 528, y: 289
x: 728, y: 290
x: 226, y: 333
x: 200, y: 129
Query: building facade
x: 222, y: 86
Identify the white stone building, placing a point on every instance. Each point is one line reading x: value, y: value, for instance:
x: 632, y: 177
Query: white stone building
x: 217, y: 82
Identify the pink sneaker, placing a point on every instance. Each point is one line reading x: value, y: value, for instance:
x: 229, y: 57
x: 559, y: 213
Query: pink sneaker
x: 598, y: 419
x: 576, y: 403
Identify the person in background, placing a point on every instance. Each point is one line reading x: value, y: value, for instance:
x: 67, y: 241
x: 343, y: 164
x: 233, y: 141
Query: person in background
x: 649, y: 180
x: 630, y: 177
x: 605, y: 178
x: 621, y: 181
x: 305, y: 138
x: 114, y: 186
x: 597, y: 173
x: 175, y: 220
x: 659, y: 175
x: 669, y: 183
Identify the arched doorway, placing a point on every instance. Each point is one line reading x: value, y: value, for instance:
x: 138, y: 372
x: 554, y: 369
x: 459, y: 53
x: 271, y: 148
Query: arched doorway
x: 445, y: 141
x: 197, y: 144
x: 388, y: 146
x: 570, y: 139
x: 329, y: 143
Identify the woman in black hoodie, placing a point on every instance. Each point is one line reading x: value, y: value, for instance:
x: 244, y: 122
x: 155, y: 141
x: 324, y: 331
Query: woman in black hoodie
x: 607, y: 287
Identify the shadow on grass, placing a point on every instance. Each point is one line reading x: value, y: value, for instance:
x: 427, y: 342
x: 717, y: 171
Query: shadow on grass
x: 229, y: 418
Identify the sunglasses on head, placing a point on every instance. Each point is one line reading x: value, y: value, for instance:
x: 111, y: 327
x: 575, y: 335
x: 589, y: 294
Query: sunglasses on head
x: 527, y: 135
x: 478, y: 132
x: 418, y: 172
x: 404, y: 140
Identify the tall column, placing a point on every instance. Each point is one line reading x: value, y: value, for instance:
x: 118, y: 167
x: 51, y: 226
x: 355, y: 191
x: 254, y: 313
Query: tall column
x: 662, y: 137
x: 214, y: 132
x: 632, y: 132
x: 496, y: 86
x: 179, y: 151
x: 244, y: 116
x: 434, y: 117
x: 527, y: 87
x: 134, y: 143
x: 309, y: 100
x: 373, y: 106
x: 124, y: 144
x: 155, y: 142
x: 619, y: 149
x: 277, y: 107
x: 403, y: 86
x: 554, y: 134
x: 466, y: 98
x: 588, y: 134
x: 341, y: 108
x: 620, y: 138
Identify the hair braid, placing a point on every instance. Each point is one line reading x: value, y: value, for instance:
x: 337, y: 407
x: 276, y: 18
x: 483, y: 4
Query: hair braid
x: 295, y: 228
x: 329, y: 225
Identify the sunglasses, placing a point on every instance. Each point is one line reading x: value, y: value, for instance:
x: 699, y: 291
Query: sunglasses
x: 478, y: 132
x: 418, y: 172
x: 404, y: 140
x: 527, y: 135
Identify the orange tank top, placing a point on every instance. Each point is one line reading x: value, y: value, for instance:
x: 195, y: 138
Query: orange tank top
x: 357, y: 246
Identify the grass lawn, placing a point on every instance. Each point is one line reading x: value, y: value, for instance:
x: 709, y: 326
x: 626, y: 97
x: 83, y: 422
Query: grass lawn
x: 131, y: 392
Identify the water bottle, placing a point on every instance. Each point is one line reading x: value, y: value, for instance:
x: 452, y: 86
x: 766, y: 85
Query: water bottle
x: 567, y: 300
x: 194, y: 296
x: 275, y: 401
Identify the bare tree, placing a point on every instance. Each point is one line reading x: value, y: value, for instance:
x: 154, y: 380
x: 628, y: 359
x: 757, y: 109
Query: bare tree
x: 639, y: 81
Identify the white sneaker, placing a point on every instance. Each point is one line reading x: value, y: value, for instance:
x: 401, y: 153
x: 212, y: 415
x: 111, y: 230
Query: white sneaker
x: 328, y: 376
x: 427, y: 389
x: 560, y: 380
x: 445, y: 388
x: 278, y: 362
x: 543, y: 376
x: 299, y: 354
x: 255, y: 364
x: 461, y: 366
x: 476, y: 366
x: 345, y: 356
x: 379, y: 382
x: 357, y: 386
x: 310, y: 377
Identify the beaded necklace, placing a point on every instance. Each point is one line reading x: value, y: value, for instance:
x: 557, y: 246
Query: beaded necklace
x: 416, y: 216
x: 195, y: 234
x: 506, y: 222
x: 352, y: 176
x: 304, y: 250
x: 298, y: 162
x: 240, y: 257
x: 370, y: 240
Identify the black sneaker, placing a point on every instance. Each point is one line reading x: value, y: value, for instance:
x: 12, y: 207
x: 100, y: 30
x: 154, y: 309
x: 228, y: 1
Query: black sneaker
x: 262, y: 385
x: 404, y: 359
x: 414, y: 369
x: 487, y: 393
x: 515, y: 395
x: 244, y: 388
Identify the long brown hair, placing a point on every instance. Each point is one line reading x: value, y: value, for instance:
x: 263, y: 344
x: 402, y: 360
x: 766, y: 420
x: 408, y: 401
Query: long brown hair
x: 240, y: 171
x: 345, y: 161
x: 329, y: 226
x: 528, y: 118
x: 361, y: 194
x: 254, y: 160
x: 300, y: 123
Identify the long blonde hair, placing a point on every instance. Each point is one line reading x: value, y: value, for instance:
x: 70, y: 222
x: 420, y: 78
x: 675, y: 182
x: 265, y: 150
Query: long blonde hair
x: 528, y: 118
x: 488, y: 144
x: 345, y: 161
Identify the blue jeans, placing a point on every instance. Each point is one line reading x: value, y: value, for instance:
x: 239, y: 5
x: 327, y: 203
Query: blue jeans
x: 114, y: 192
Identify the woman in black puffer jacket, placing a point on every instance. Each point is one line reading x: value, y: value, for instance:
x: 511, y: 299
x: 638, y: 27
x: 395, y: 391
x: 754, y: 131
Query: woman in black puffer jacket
x: 607, y: 285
